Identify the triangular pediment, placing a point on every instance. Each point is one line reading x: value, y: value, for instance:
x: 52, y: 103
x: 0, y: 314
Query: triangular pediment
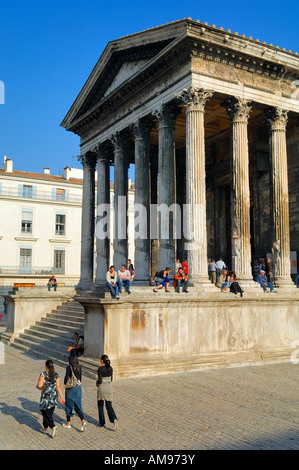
x: 127, y: 70
x: 121, y: 60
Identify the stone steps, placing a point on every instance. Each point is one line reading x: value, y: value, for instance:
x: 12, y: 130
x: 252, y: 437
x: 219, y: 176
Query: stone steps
x: 52, y: 335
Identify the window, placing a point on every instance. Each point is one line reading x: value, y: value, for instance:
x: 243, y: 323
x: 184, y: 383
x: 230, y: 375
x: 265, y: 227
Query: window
x: 59, y: 261
x: 27, y: 217
x: 27, y: 191
x: 60, y: 224
x: 60, y: 194
x: 25, y: 260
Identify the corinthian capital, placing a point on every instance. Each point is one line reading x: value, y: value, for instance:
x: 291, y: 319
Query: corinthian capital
x: 119, y: 141
x: 276, y: 119
x: 142, y: 128
x: 194, y: 99
x: 88, y: 160
x: 166, y: 115
x: 238, y: 109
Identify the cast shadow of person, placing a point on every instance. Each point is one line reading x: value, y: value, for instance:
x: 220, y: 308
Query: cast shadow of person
x: 22, y: 416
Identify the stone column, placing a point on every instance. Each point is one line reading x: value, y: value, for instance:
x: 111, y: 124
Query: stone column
x: 142, y: 201
x: 166, y: 116
x: 279, y: 196
x: 238, y: 110
x: 103, y: 214
x: 119, y: 142
x: 195, y: 210
x: 154, y: 257
x: 88, y: 216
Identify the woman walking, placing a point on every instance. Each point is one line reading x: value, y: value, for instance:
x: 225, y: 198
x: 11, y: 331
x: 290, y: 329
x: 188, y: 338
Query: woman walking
x: 73, y: 392
x: 105, y: 392
x: 49, y: 383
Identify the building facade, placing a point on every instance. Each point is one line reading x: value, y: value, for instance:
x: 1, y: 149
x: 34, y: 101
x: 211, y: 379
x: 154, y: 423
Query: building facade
x: 210, y: 119
x: 41, y: 225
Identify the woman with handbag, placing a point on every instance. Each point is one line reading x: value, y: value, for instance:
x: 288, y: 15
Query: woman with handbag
x: 49, y: 384
x: 73, y: 392
x: 105, y: 392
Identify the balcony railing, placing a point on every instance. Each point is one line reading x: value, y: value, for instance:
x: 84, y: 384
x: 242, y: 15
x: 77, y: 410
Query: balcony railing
x: 30, y: 270
x: 7, y: 191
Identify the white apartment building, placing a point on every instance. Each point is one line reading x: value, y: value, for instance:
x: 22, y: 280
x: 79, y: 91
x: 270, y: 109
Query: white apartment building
x: 40, y: 231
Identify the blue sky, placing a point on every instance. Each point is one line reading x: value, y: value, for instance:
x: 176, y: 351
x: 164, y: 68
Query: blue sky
x: 49, y: 48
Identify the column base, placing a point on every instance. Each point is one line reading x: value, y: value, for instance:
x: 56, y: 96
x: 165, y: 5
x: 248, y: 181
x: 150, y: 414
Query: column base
x: 99, y: 289
x: 203, y: 284
x: 248, y: 284
x: 285, y: 284
x: 84, y: 286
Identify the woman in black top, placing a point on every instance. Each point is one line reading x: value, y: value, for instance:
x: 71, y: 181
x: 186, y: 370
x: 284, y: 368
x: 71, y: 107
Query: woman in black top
x: 105, y: 392
x: 73, y: 396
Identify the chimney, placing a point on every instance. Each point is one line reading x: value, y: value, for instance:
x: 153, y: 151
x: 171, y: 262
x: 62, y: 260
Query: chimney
x: 7, y: 167
x: 46, y: 171
x: 66, y: 173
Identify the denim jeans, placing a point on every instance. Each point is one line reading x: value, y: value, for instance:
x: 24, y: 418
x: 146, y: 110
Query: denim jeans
x: 179, y: 283
x: 51, y: 285
x: 113, y: 290
x: 124, y: 282
x: 266, y: 287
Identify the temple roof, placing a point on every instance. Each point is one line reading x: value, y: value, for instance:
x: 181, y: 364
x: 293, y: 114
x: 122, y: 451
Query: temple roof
x: 127, y: 57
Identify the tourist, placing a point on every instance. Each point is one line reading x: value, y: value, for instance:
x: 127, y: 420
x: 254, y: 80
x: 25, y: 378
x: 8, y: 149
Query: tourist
x: 178, y: 265
x: 49, y: 384
x: 111, y: 278
x: 105, y: 392
x: 185, y: 265
x: 255, y: 268
x: 262, y: 280
x: 269, y: 270
x: 162, y: 280
x: 124, y: 279
x: 220, y: 265
x: 180, y: 279
x: 297, y: 280
x: 223, y: 281
x: 234, y: 285
x: 73, y: 392
x: 78, y: 348
x: 131, y: 269
x: 5, y: 304
x: 212, y: 269
x: 52, y: 283
x: 262, y: 264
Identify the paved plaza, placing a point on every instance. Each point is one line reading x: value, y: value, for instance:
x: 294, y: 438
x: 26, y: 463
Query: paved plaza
x: 253, y: 407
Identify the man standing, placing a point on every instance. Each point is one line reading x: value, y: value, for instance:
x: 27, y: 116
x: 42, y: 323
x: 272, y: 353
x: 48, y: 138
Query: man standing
x: 212, y: 270
x: 124, y: 279
x: 220, y: 265
x: 185, y: 266
x: 269, y: 270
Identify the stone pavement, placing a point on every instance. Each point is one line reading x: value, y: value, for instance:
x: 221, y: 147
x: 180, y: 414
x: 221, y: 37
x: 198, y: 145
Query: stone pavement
x: 236, y: 408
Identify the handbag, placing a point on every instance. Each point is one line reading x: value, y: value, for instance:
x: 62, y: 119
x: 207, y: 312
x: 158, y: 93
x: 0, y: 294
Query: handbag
x: 72, y: 382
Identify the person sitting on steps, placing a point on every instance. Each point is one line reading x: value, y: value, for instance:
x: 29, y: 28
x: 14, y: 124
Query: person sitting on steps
x: 262, y: 280
x: 180, y: 279
x: 162, y: 280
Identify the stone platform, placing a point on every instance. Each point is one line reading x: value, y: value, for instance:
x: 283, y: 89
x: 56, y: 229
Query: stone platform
x: 147, y: 333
